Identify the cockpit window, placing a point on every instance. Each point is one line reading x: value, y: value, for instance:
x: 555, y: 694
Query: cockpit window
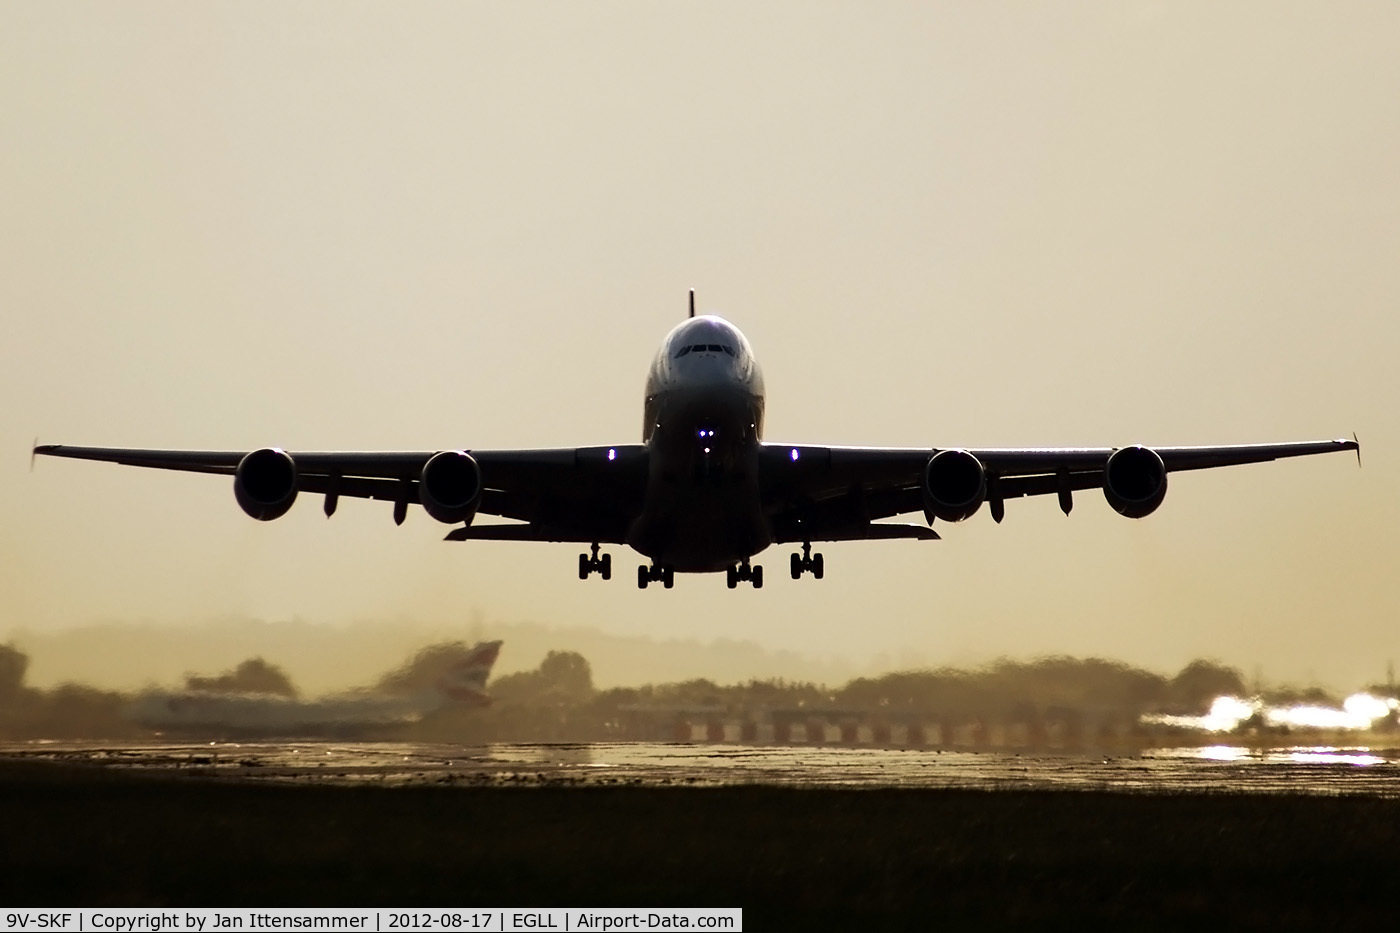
x: 706, y: 348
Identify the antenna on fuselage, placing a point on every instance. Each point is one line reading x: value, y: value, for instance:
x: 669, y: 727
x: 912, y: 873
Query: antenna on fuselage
x: 692, y: 302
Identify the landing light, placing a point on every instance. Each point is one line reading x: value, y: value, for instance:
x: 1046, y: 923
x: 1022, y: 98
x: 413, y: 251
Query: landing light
x: 794, y: 455
x: 612, y: 453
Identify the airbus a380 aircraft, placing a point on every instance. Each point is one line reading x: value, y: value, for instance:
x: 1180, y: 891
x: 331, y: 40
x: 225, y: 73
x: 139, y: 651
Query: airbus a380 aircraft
x: 703, y: 492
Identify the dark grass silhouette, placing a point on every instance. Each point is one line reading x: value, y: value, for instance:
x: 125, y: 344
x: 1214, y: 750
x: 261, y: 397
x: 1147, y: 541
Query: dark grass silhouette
x: 79, y: 836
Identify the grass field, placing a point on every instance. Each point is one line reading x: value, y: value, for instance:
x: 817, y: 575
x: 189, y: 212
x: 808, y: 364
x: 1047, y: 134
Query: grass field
x: 789, y: 856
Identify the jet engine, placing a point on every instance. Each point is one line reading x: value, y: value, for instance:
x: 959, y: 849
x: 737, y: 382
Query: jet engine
x: 450, y: 487
x: 954, y: 485
x: 265, y: 483
x: 1134, y: 481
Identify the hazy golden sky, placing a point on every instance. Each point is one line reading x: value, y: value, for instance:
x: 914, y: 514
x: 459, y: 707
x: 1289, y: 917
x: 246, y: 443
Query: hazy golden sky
x: 348, y: 225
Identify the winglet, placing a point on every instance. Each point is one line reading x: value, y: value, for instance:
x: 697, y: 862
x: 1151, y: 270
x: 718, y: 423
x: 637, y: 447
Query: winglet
x: 1357, y: 442
x: 692, y: 302
x: 33, y: 452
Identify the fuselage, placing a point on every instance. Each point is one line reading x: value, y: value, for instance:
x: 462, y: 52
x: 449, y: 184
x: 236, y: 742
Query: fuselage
x: 703, y: 422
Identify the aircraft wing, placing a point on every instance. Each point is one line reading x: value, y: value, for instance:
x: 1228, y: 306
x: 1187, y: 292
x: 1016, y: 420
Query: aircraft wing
x: 813, y: 492
x: 564, y: 494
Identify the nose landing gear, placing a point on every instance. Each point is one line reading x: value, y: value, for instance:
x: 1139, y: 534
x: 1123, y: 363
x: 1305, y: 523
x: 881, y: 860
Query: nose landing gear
x: 595, y: 564
x: 744, y: 572
x: 662, y: 572
x: 807, y: 561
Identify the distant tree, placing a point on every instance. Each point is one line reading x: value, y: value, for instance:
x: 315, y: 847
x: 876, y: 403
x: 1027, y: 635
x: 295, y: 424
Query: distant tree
x: 13, y: 665
x: 1201, y: 681
x: 567, y: 675
x: 606, y: 703
x: 1010, y: 688
x: 564, y: 678
x: 1287, y: 695
x: 698, y: 692
x: 252, y: 676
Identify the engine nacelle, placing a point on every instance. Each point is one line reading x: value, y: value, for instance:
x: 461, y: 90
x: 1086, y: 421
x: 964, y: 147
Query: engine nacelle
x: 1134, y: 481
x: 450, y: 487
x: 265, y: 483
x: 954, y: 485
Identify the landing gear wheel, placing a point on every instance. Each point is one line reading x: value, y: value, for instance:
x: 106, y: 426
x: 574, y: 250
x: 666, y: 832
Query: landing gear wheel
x: 668, y: 577
x: 643, y: 576
x: 592, y: 563
x: 742, y: 571
x: 807, y: 561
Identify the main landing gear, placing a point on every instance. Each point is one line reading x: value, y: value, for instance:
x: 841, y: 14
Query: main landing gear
x: 743, y: 571
x: 662, y: 572
x: 595, y: 564
x: 807, y: 561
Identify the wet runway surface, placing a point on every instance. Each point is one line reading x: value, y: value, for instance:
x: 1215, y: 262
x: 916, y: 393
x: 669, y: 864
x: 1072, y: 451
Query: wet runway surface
x: 1296, y: 770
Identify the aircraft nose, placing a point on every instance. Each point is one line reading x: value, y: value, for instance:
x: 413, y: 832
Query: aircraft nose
x: 705, y: 363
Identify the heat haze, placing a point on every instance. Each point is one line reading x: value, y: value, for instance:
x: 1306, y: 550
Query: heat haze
x: 360, y: 226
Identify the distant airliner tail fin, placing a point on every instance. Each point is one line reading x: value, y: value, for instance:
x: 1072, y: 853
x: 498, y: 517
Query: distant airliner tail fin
x: 465, y: 681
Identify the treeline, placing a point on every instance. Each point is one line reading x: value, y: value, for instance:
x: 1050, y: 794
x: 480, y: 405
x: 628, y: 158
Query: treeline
x: 67, y: 711
x: 252, y: 676
x: 559, y: 702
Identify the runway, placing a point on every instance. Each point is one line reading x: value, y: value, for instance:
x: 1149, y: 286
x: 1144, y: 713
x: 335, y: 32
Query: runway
x: 1292, y: 770
x: 802, y: 837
